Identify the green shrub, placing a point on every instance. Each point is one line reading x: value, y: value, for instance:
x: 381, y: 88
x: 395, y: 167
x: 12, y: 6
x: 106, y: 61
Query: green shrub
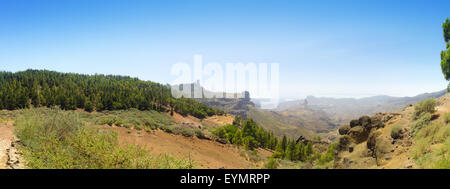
x: 442, y: 163
x: 271, y: 164
x: 422, y: 121
x: 138, y: 127
x: 422, y: 151
x: 108, y: 120
x: 447, y: 118
x: 118, y: 122
x: 133, y: 118
x: 88, y: 107
x: 425, y: 106
x: 167, y: 128
x: 199, y: 134
x: 421, y: 147
x: 326, y: 160
x: 396, y: 132
x: 183, y: 131
x: 278, y: 155
x: 434, y: 133
x: 444, y: 153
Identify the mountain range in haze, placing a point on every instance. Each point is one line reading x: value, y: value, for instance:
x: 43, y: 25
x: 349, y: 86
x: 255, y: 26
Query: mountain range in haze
x: 311, y: 116
x: 342, y: 110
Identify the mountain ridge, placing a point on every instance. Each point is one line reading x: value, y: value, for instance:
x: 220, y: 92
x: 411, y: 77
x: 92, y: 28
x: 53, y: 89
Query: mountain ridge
x: 343, y: 110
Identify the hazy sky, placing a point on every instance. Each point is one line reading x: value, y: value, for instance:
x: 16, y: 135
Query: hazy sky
x: 325, y: 48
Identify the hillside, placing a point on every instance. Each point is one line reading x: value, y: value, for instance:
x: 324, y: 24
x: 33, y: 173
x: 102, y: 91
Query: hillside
x: 130, y: 118
x: 277, y: 124
x: 36, y: 88
x: 185, y: 140
x: 342, y: 110
x: 416, y: 137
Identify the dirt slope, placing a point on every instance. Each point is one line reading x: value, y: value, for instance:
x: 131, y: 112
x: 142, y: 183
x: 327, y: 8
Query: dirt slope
x: 207, y: 154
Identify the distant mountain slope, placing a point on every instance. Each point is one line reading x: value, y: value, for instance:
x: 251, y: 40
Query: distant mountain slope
x: 238, y: 106
x: 306, y: 123
x: 342, y: 110
x: 279, y: 124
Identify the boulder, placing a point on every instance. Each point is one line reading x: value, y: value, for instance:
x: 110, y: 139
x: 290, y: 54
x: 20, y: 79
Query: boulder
x: 365, y: 121
x: 343, y: 143
x: 343, y: 130
x: 377, y: 122
x: 222, y: 141
x: 372, y: 140
x: 358, y: 134
x: 354, y: 123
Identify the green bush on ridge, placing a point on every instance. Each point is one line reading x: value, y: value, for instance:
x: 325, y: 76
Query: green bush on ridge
x: 424, y: 106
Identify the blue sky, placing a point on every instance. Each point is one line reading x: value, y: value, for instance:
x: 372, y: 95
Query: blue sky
x: 325, y: 48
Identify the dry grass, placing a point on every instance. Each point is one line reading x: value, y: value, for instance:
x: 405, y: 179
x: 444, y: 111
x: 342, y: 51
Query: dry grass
x: 55, y: 139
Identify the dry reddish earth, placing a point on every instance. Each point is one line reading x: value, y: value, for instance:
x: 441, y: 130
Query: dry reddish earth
x: 206, y: 153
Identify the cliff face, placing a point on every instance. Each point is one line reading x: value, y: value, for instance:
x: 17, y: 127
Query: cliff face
x: 235, y: 106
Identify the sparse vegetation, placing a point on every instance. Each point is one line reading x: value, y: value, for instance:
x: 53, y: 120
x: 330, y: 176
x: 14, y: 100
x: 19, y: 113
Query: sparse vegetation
x: 271, y: 164
x: 422, y: 121
x: 250, y: 155
x: 447, y: 118
x: 425, y: 106
x: 183, y: 131
x: 55, y: 139
x: 329, y: 155
x: 132, y: 118
x: 426, y: 152
x: 396, y: 132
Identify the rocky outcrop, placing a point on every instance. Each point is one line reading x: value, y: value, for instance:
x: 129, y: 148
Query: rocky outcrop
x: 11, y: 157
x: 343, y: 130
x: 14, y: 156
x: 372, y: 142
x: 343, y: 143
x: 364, y: 129
x: 358, y: 134
x: 359, y: 129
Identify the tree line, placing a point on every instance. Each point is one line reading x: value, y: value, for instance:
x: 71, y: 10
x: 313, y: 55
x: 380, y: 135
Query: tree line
x: 248, y: 134
x: 70, y: 91
x: 445, y: 54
